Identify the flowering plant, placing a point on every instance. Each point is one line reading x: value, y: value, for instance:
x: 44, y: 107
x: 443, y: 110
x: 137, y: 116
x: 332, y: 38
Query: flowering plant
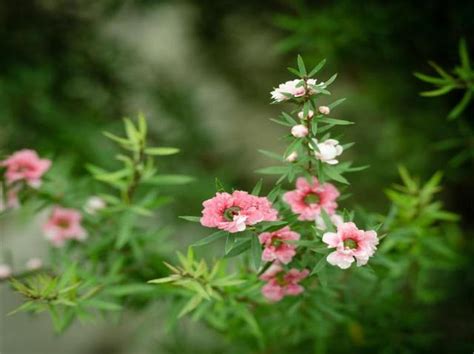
x: 294, y: 267
x: 301, y: 263
x: 287, y: 245
x: 100, y: 254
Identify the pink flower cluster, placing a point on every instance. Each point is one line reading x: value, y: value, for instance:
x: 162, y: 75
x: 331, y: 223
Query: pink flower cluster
x: 234, y: 212
x: 350, y: 243
x: 308, y: 199
x: 64, y: 224
x: 278, y: 250
x: 281, y: 283
x: 22, y: 166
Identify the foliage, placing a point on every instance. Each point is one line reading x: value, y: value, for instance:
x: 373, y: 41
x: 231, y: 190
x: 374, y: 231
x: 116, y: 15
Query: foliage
x: 106, y: 271
x: 461, y: 79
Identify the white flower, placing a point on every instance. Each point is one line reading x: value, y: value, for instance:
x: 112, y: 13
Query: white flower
x: 5, y: 271
x: 288, y: 89
x: 34, y: 263
x: 292, y: 157
x: 335, y: 219
x: 309, y: 116
x: 294, y: 88
x: 299, y: 131
x: 328, y: 151
x: 94, y: 204
x: 324, y: 110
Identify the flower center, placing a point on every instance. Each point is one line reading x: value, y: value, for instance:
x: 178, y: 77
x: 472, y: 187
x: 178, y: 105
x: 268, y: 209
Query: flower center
x: 312, y: 198
x: 277, y: 242
x: 63, y: 223
x: 280, y: 278
x: 229, y: 213
x: 350, y: 244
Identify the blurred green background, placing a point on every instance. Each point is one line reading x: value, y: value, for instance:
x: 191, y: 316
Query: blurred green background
x: 202, y: 71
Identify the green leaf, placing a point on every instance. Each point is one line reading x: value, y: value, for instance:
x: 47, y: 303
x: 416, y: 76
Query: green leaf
x: 132, y: 133
x: 219, y: 185
x: 319, y: 266
x: 271, y: 155
x: 273, y: 170
x: 441, y: 71
x: 229, y: 243
x: 301, y: 66
x: 161, y: 151
x: 464, y: 55
x: 330, y: 81
x: 332, y: 173
x: 27, y: 306
x: 162, y: 280
x: 166, y: 180
x: 191, y: 218
x: 334, y: 121
x: 317, y: 67
x: 190, y: 305
x: 125, y: 230
x: 256, y: 249
x: 295, y: 72
x: 286, y: 124
x: 336, y: 103
x: 327, y: 221
x: 118, y: 139
x: 459, y: 108
x: 142, y: 124
x: 211, y: 238
x: 238, y: 248
x: 272, y: 225
x: 103, y: 305
x: 431, y: 79
x: 289, y: 118
x: 258, y: 187
x: 441, y: 91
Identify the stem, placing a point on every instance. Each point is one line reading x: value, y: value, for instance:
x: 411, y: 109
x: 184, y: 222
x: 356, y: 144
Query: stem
x: 137, y: 174
x: 307, y: 122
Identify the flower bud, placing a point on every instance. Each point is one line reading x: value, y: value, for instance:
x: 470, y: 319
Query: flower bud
x: 94, y: 204
x: 5, y: 271
x: 324, y: 110
x: 34, y: 263
x: 309, y: 116
x: 299, y: 131
x: 292, y: 157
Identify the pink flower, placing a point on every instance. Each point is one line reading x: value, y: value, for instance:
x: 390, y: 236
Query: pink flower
x: 308, y: 199
x: 299, y: 131
x: 5, y: 271
x: 280, y: 284
x: 291, y: 88
x: 350, y: 243
x: 25, y: 165
x: 64, y: 224
x: 233, y: 212
x: 275, y: 246
x: 324, y: 110
x: 34, y: 263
